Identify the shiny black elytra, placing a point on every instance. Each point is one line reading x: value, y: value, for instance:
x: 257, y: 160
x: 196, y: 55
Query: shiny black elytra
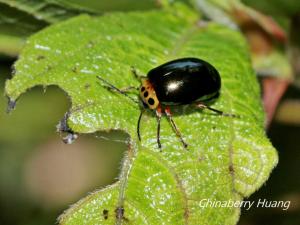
x: 179, y: 82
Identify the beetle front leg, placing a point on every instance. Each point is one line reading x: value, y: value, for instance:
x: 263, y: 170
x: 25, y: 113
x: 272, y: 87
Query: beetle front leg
x: 136, y: 75
x: 123, y: 90
x: 169, y: 115
x: 112, y: 87
x: 158, y: 116
x: 128, y: 89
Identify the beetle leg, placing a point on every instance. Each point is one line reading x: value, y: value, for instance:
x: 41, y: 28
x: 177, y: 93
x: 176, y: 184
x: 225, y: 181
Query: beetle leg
x: 136, y: 75
x: 219, y: 112
x: 158, y: 116
x: 169, y: 115
x: 123, y: 90
x: 128, y: 89
x: 112, y: 87
x: 138, y: 124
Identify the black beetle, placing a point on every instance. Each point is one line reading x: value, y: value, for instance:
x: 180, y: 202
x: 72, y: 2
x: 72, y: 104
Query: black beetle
x: 179, y: 82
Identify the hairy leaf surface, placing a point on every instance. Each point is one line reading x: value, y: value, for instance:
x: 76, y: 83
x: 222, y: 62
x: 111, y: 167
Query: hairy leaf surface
x: 227, y: 158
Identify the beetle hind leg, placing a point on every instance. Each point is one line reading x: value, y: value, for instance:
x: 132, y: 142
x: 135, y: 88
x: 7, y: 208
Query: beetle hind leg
x: 218, y: 112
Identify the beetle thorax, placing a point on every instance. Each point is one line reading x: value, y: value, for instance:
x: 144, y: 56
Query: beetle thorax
x: 148, y: 95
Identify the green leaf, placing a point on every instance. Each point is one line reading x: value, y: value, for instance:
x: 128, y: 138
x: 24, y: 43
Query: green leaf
x: 277, y: 7
x: 51, y: 11
x: 19, y: 19
x: 18, y: 23
x: 15, y: 25
x: 45, y: 10
x: 282, y: 11
x: 10, y: 45
x: 108, y: 5
x: 275, y: 64
x: 227, y: 159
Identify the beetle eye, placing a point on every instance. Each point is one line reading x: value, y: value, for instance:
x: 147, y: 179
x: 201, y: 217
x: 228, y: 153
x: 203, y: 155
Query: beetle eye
x: 145, y: 105
x: 142, y: 89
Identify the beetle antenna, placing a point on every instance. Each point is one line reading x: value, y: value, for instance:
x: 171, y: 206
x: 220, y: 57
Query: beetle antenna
x: 117, y: 89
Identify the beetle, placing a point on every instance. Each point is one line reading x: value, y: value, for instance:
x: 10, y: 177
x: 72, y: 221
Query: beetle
x: 182, y: 81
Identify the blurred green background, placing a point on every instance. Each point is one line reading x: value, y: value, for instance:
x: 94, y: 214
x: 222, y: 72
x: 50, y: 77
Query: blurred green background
x: 40, y: 176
